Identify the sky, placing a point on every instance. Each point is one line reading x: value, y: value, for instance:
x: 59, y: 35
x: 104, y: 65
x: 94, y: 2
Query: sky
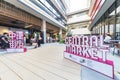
x: 78, y: 5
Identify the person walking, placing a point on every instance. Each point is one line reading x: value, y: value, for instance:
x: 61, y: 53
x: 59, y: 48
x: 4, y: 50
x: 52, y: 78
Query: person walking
x: 4, y: 41
x: 24, y: 40
x: 38, y: 40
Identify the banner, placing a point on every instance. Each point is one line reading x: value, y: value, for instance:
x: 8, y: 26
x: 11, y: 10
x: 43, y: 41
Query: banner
x: 16, y: 42
x: 90, y: 52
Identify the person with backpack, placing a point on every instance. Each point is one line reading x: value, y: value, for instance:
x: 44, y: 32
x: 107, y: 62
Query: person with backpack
x: 4, y: 41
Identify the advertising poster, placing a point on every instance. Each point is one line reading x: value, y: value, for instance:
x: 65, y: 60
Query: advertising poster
x: 91, y: 52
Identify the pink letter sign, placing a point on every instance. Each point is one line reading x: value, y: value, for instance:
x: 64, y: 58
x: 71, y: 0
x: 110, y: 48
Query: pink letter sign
x: 16, y: 42
x: 89, y: 51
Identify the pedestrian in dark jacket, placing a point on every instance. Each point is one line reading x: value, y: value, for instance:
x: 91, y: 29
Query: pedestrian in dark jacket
x: 4, y: 41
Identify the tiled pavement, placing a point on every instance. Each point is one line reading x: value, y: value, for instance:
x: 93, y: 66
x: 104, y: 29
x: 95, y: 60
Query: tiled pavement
x: 116, y: 59
x: 44, y: 63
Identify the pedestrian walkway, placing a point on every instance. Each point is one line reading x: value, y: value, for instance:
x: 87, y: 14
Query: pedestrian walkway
x: 116, y: 59
x: 3, y: 51
x: 44, y: 63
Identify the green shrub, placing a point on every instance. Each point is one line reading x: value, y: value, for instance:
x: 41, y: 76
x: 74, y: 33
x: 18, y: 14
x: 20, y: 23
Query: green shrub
x: 62, y: 42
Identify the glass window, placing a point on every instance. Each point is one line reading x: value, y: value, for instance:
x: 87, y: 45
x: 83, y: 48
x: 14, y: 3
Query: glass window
x: 61, y: 5
x: 99, y: 26
x: 97, y: 29
x: 106, y: 21
x: 106, y: 27
x: 111, y: 26
x: 43, y: 1
x: 102, y: 28
x: 118, y: 23
x: 111, y: 23
x: 93, y: 31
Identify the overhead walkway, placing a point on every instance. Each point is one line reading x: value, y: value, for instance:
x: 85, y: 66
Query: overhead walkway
x: 44, y: 63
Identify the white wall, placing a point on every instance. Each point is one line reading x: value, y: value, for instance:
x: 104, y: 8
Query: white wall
x: 78, y: 19
x: 80, y: 31
x: 3, y: 29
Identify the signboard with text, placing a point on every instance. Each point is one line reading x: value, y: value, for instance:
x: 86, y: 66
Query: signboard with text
x: 16, y: 42
x: 90, y: 52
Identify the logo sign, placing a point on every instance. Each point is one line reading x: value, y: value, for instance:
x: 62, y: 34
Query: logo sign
x: 90, y: 51
x: 16, y: 41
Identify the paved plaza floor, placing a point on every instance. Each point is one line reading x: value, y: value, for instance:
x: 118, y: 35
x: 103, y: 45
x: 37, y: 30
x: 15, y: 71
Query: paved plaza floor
x: 44, y: 63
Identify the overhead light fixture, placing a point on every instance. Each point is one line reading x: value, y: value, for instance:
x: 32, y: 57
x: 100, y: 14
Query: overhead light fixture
x: 28, y: 26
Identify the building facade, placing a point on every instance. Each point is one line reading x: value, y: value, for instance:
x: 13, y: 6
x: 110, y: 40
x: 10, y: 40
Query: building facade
x: 78, y: 22
x: 105, y: 17
x: 46, y: 16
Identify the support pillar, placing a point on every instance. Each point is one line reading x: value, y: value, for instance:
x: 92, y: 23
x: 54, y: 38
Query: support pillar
x: 60, y: 34
x: 43, y: 29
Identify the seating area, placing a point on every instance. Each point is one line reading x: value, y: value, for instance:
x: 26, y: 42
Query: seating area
x: 116, y: 48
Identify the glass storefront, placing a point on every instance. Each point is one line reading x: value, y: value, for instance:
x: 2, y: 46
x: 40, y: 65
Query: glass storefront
x: 102, y: 26
x: 109, y: 22
x: 118, y: 23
